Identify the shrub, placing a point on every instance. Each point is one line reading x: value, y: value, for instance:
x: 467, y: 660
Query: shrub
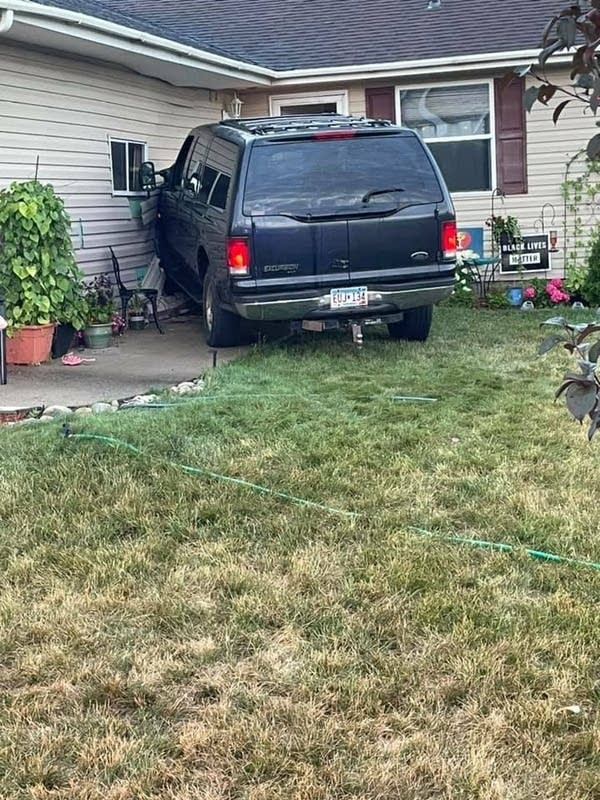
x: 39, y: 278
x: 591, y: 285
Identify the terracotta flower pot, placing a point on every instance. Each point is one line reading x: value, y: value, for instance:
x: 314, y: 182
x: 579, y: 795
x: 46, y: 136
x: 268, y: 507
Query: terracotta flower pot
x: 30, y: 345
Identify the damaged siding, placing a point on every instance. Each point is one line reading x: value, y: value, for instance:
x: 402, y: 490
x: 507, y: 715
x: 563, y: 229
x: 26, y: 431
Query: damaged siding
x: 64, y: 111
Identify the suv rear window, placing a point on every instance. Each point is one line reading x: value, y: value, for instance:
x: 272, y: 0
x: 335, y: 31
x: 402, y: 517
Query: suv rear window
x: 321, y: 176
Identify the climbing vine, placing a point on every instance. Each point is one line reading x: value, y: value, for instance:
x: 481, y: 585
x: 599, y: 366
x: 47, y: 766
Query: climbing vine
x: 581, y: 214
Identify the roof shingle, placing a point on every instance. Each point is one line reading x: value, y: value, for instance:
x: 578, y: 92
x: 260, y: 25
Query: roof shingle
x: 304, y: 34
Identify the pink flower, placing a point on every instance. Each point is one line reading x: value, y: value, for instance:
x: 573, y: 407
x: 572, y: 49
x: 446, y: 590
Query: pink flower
x: 529, y: 293
x: 556, y: 292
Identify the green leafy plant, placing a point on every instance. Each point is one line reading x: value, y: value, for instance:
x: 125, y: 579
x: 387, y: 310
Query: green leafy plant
x: 39, y: 278
x: 137, y: 305
x: 581, y: 389
x: 496, y: 298
x: 99, y: 300
x: 575, y: 280
x: 591, y: 285
x: 504, y: 228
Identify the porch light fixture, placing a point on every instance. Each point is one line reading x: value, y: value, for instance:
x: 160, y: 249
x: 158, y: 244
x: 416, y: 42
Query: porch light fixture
x: 235, y: 107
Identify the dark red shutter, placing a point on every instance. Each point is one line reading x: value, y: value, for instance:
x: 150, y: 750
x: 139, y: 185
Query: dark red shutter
x: 511, y: 135
x: 381, y: 103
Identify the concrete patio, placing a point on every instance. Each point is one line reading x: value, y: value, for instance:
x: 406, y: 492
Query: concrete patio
x: 136, y: 363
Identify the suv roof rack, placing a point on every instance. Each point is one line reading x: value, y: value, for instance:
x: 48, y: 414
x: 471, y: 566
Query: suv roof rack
x: 262, y: 126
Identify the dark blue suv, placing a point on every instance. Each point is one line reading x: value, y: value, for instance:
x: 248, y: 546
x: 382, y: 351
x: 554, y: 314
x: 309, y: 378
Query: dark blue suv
x: 314, y: 220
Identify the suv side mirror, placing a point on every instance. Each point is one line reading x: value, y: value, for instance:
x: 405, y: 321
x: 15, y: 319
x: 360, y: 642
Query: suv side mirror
x: 148, y: 176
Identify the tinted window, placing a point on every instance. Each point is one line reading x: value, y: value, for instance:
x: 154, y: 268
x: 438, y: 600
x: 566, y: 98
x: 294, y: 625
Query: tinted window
x: 323, y: 176
x: 193, y: 173
x: 219, y: 196
x: 208, y: 181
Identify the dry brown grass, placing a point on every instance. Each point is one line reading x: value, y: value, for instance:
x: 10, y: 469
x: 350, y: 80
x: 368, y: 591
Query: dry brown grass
x: 164, y: 636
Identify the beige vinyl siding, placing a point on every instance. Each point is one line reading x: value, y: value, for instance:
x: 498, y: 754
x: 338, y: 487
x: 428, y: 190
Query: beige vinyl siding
x: 64, y: 111
x: 548, y: 149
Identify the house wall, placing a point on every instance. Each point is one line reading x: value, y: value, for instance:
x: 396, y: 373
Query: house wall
x: 548, y: 149
x: 63, y: 110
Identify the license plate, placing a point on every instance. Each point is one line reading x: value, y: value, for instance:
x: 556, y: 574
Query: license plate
x: 357, y: 297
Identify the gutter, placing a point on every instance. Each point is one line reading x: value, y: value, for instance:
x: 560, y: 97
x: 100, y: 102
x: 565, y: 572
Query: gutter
x: 7, y: 18
x: 99, y: 29
x: 448, y: 64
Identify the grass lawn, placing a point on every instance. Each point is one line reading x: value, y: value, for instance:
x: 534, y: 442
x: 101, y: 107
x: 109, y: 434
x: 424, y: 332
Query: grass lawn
x: 167, y: 636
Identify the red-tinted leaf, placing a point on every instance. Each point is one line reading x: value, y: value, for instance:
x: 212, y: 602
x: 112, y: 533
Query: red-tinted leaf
x: 546, y: 92
x: 562, y: 388
x: 559, y: 109
x: 587, y: 331
x: 593, y: 147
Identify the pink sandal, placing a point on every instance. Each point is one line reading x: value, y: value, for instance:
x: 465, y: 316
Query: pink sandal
x: 73, y: 360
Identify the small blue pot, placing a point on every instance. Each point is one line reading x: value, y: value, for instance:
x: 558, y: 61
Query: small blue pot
x: 515, y: 296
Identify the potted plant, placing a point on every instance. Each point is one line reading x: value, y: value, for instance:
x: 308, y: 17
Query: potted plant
x: 506, y: 233
x: 39, y: 277
x: 98, y: 329
x: 136, y: 313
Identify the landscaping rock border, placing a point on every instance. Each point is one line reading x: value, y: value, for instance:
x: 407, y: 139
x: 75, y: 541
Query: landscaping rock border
x: 12, y: 417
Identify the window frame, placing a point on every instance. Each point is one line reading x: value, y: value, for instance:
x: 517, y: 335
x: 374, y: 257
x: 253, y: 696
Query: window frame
x: 339, y: 97
x: 491, y: 136
x: 126, y: 142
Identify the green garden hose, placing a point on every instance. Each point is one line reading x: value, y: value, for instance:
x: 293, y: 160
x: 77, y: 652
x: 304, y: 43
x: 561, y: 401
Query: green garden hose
x: 477, y: 543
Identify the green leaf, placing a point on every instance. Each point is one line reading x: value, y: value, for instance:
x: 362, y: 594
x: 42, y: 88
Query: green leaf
x: 549, y: 343
x: 531, y: 96
x: 581, y: 399
x: 566, y: 28
x: 594, y: 352
x: 558, y: 321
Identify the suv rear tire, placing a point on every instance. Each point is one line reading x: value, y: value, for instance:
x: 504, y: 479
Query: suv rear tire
x: 414, y: 327
x: 223, y: 329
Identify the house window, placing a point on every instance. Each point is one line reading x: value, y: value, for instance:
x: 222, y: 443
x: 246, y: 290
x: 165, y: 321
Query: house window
x: 456, y: 122
x: 126, y: 160
x: 314, y: 103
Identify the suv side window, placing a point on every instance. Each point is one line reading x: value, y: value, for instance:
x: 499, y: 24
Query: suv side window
x: 197, y: 160
x: 221, y: 165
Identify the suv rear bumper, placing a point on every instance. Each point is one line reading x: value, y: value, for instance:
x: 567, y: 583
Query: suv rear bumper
x: 316, y: 304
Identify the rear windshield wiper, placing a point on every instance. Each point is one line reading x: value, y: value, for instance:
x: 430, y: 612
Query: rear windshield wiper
x: 350, y: 214
x: 375, y: 192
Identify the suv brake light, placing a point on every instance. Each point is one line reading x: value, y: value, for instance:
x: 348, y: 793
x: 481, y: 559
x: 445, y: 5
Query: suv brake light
x: 334, y: 134
x: 449, y: 239
x: 238, y: 257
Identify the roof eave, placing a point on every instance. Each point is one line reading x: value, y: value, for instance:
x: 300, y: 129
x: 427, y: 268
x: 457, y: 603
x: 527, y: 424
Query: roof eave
x: 431, y: 67
x: 144, y: 52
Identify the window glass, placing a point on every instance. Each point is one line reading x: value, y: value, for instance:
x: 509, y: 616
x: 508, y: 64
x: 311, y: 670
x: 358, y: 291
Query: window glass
x: 119, y: 166
x: 219, y: 196
x: 447, y: 111
x: 455, y: 123
x: 208, y: 181
x: 324, y: 176
x: 195, y: 165
x: 136, y: 157
x: 309, y: 108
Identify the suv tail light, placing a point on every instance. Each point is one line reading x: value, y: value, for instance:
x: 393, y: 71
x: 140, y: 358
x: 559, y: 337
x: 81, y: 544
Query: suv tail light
x: 449, y: 239
x: 238, y: 257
